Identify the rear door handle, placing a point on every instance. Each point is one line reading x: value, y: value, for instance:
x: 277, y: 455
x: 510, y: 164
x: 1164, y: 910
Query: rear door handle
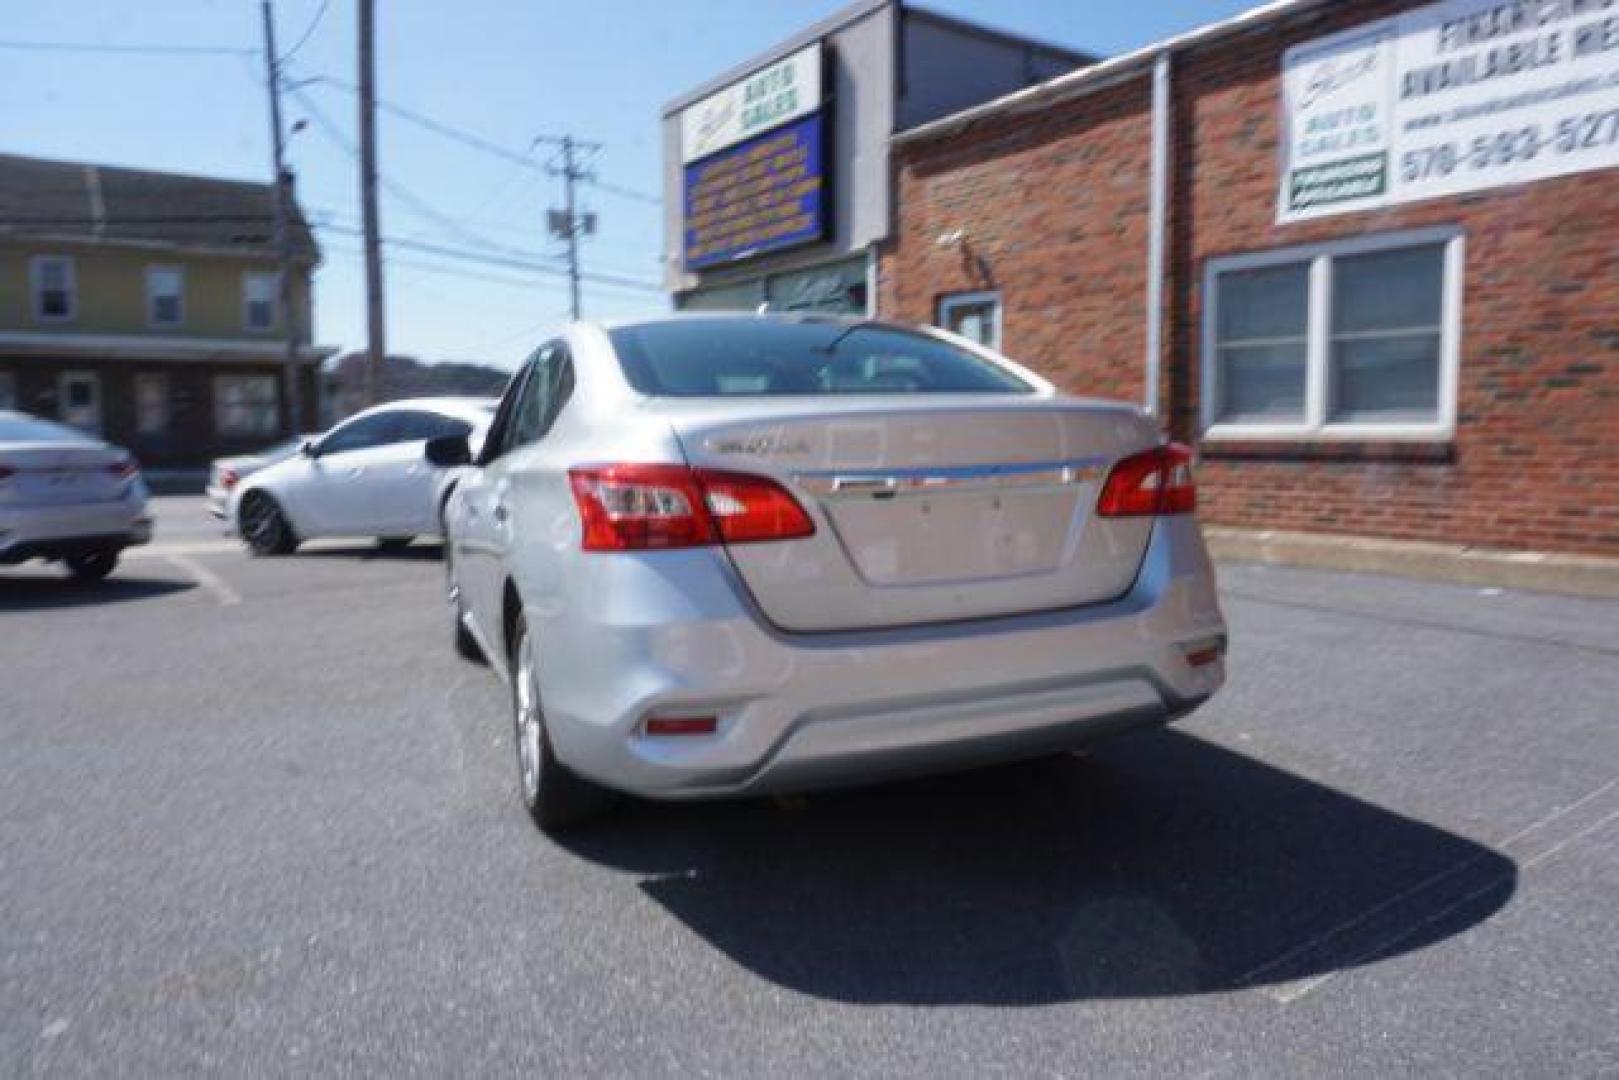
x: 501, y: 513
x: 358, y: 470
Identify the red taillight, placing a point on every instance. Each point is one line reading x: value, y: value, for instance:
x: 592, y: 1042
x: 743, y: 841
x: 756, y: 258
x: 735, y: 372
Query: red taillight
x: 123, y: 468
x: 1156, y: 481
x: 637, y: 507
x: 228, y: 478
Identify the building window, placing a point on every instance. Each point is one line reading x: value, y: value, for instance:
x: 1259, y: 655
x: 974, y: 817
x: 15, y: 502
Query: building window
x: 1355, y: 339
x: 151, y: 404
x: 165, y: 295
x: 246, y: 405
x: 55, y: 292
x: 8, y: 390
x: 975, y: 316
x: 259, y: 301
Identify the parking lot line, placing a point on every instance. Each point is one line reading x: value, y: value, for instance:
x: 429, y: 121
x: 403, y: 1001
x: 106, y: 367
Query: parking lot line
x: 194, y: 547
x: 227, y: 596
x: 1289, y: 992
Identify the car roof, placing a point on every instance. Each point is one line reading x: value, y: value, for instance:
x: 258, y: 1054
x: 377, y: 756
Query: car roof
x: 66, y: 432
x: 796, y: 318
x: 476, y: 409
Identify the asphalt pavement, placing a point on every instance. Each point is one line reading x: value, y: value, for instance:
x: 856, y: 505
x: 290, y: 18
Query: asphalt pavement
x: 255, y: 817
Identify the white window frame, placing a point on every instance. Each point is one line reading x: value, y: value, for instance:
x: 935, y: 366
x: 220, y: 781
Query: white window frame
x: 36, y: 282
x: 224, y: 379
x: 950, y: 301
x: 1317, y: 425
x: 270, y: 276
x: 152, y: 272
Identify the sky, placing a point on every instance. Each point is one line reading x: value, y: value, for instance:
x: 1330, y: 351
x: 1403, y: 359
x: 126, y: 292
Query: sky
x: 504, y: 71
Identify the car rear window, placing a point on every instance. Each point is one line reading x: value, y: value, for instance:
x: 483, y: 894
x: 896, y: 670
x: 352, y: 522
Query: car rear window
x: 759, y: 357
x: 15, y: 428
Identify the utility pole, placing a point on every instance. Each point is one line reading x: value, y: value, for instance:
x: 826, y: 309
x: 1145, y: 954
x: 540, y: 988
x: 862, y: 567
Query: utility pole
x: 573, y: 230
x: 281, y: 198
x: 376, y: 344
x: 568, y: 224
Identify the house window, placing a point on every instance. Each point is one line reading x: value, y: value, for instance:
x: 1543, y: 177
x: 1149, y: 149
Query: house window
x: 259, y: 301
x: 165, y: 295
x: 1355, y: 339
x: 8, y: 390
x: 975, y: 316
x: 55, y: 293
x: 246, y: 405
x: 151, y: 404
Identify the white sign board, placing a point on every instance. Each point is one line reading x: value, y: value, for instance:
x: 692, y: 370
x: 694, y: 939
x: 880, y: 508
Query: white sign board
x: 768, y: 98
x: 1454, y: 97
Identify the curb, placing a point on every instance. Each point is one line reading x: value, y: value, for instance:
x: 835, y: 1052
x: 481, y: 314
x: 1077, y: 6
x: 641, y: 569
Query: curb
x: 1577, y: 575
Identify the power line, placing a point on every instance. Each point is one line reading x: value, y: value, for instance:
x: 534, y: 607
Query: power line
x: 438, y: 127
x: 496, y: 259
x: 417, y: 204
x: 478, y: 142
x: 320, y: 13
x: 144, y: 50
x: 627, y: 193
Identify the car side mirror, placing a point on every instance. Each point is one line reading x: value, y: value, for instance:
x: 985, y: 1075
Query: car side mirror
x: 309, y: 448
x: 447, y: 451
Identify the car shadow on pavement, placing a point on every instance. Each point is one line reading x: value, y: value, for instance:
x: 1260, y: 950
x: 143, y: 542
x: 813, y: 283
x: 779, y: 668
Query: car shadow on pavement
x: 1161, y: 864
x: 417, y: 552
x: 46, y: 590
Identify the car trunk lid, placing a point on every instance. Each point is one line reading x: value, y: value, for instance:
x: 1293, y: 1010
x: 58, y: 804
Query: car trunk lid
x: 927, y: 511
x: 52, y: 474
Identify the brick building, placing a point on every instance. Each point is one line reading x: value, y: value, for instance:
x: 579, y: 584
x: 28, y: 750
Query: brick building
x: 145, y: 307
x: 1416, y: 337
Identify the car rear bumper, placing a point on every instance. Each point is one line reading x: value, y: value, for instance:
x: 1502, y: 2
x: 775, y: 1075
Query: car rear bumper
x: 55, y: 531
x: 676, y: 636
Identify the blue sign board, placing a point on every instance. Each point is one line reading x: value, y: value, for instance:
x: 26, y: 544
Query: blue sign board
x: 761, y: 195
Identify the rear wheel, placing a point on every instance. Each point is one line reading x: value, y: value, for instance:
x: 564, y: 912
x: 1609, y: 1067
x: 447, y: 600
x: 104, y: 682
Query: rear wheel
x: 92, y: 565
x: 265, y: 527
x: 556, y: 797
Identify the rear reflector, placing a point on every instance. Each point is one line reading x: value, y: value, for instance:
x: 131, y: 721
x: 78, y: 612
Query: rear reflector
x: 124, y: 467
x: 682, y: 725
x: 1205, y: 652
x: 643, y: 507
x: 1156, y: 481
x: 228, y: 478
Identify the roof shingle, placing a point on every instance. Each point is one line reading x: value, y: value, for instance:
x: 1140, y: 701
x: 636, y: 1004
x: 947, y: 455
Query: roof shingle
x: 39, y: 197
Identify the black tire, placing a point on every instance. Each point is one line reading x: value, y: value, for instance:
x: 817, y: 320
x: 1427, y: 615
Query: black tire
x: 466, y: 646
x: 265, y: 527
x: 91, y: 565
x: 556, y: 797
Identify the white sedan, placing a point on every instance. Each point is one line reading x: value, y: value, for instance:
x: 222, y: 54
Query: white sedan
x: 67, y: 497
x: 367, y: 477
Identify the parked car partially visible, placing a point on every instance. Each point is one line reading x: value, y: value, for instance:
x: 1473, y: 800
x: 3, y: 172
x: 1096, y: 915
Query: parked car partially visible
x: 67, y: 497
x: 226, y: 472
x: 367, y: 477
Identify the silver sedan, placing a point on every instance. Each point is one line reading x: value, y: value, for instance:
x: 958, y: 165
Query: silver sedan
x: 67, y: 497
x: 725, y: 555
